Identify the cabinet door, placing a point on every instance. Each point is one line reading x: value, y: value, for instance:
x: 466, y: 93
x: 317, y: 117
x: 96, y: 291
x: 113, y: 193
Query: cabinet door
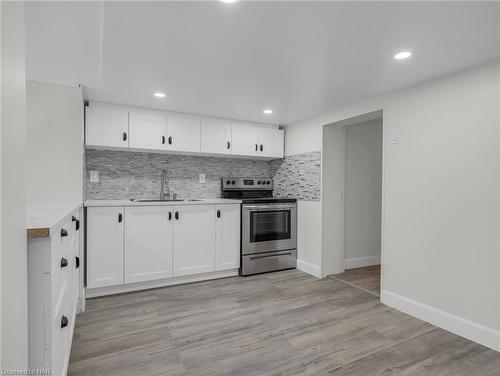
x: 227, y: 237
x: 105, y: 228
x: 271, y: 142
x: 148, y: 130
x: 183, y: 133
x: 148, y: 243
x: 215, y: 136
x: 245, y: 139
x: 194, y: 239
x: 106, y: 126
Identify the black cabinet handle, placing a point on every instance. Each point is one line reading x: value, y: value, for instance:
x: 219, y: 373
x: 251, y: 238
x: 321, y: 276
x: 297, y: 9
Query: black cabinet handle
x: 170, y: 140
x: 169, y: 216
x: 77, y: 223
x: 163, y: 140
x: 64, y: 233
x: 124, y: 136
x: 261, y: 147
x: 228, y: 145
x: 77, y: 262
x: 120, y: 217
x: 256, y: 147
x: 218, y: 213
x: 64, y: 262
x: 176, y: 215
x: 64, y: 322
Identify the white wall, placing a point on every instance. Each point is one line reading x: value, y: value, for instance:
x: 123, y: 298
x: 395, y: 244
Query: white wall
x: 309, y: 237
x: 14, y: 336
x: 55, y: 148
x: 363, y: 194
x: 440, y: 223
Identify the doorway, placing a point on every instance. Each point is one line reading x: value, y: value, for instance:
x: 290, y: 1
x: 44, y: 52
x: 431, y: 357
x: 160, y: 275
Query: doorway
x: 353, y: 200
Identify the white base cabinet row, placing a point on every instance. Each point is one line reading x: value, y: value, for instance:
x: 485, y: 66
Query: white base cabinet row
x: 145, y: 243
x: 117, y: 127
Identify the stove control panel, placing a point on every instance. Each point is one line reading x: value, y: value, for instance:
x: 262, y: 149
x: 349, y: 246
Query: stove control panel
x: 232, y: 183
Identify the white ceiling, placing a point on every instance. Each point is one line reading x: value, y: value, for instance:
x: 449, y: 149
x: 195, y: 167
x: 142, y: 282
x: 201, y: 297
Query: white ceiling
x: 232, y: 60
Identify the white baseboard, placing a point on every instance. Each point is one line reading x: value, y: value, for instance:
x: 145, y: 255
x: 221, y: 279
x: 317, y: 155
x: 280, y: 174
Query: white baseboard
x: 361, y: 262
x: 465, y: 328
x: 102, y: 291
x: 309, y: 268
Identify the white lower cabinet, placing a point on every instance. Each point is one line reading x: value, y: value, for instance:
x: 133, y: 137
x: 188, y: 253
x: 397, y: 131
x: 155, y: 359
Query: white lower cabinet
x: 194, y: 239
x: 148, y: 243
x: 105, y: 237
x: 227, y: 237
x: 54, y: 293
x: 140, y: 244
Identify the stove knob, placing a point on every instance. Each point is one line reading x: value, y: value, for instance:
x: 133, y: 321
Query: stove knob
x: 268, y: 182
x: 233, y: 182
x: 259, y: 182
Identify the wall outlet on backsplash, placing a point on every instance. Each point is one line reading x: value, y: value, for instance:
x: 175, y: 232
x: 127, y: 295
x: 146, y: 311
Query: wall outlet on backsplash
x: 94, y: 176
x: 202, y: 178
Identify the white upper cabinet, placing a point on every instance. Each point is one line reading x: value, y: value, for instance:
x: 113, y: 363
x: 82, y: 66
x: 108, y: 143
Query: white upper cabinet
x: 258, y: 141
x: 271, y: 142
x: 148, y: 243
x: 113, y: 126
x: 227, y: 237
x: 194, y: 239
x: 245, y: 139
x: 148, y: 130
x: 106, y: 126
x: 183, y: 133
x: 216, y: 136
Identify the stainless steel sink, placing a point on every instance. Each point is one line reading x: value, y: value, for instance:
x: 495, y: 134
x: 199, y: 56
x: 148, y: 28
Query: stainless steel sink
x: 168, y: 200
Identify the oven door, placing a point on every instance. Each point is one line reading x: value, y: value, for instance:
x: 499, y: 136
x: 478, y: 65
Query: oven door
x: 268, y: 227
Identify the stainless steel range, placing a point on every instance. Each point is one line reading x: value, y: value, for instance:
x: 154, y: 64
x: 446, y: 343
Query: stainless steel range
x: 268, y: 225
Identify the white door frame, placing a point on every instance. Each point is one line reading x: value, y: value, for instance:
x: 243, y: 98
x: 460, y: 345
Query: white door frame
x: 333, y: 188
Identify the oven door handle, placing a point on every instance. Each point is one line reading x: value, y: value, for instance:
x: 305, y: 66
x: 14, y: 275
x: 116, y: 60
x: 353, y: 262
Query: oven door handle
x: 269, y: 207
x: 268, y: 256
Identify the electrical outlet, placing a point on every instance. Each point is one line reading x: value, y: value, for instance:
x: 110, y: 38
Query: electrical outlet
x: 202, y: 178
x: 94, y: 176
x: 394, y: 137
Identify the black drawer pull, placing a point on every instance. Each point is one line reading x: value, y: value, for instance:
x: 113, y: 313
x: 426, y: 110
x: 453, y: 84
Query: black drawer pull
x: 120, y: 217
x: 77, y: 262
x: 261, y: 147
x: 64, y: 262
x: 228, y: 145
x: 218, y: 213
x: 77, y: 223
x: 256, y: 147
x: 176, y: 215
x: 124, y: 136
x: 163, y: 140
x: 170, y: 140
x: 64, y: 233
x: 169, y: 216
x: 64, y: 322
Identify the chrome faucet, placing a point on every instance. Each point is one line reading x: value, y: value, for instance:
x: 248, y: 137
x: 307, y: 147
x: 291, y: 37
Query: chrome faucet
x: 164, y: 183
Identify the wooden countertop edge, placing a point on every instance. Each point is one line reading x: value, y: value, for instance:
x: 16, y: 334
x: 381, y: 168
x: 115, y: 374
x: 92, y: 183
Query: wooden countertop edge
x: 43, y: 232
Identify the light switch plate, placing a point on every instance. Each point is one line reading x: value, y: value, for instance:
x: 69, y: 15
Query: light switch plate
x: 202, y: 178
x: 94, y: 176
x: 394, y: 138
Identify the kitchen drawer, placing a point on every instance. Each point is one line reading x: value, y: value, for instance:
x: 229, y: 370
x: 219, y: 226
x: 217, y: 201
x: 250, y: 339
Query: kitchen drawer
x: 269, y: 261
x: 61, y: 244
x: 61, y: 331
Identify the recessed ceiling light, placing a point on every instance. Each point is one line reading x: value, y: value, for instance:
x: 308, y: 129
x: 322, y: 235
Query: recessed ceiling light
x: 229, y: 1
x: 402, y: 55
x: 267, y: 111
x: 160, y: 94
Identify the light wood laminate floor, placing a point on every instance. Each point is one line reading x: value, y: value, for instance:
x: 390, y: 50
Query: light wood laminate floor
x: 367, y: 278
x: 285, y: 323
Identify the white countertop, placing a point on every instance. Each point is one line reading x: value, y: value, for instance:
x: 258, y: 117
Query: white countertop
x: 48, y: 217
x: 207, y: 201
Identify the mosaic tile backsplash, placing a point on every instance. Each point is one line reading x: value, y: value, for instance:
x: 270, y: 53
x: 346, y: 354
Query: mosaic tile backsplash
x: 298, y: 176
x: 124, y: 175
